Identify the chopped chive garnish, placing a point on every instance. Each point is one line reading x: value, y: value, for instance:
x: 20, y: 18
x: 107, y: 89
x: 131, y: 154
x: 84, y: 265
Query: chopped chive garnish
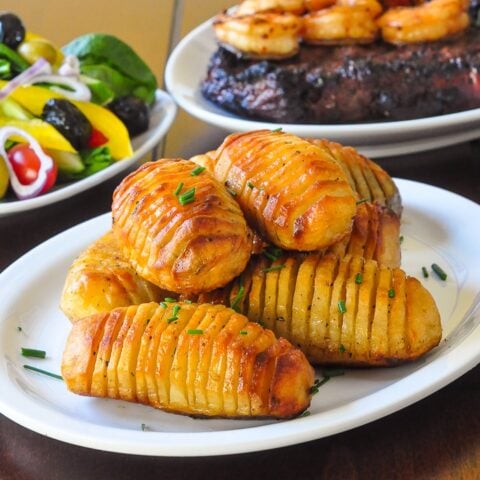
x: 363, y: 200
x: 358, y: 278
x: 174, y: 316
x: 194, y: 331
x: 243, y: 332
x: 333, y: 372
x: 327, y: 375
x: 187, y: 197
x: 273, y: 253
x: 238, y: 297
x: 342, y: 348
x: 391, y: 293
x: 306, y: 413
x: 32, y: 352
x: 197, y: 171
x: 273, y: 268
x: 187, y: 301
x: 233, y: 193
x: 439, y: 271
x: 163, y: 304
x: 169, y: 300
x: 425, y: 272
x: 279, y: 129
x: 341, y: 306
x: 19, y: 329
x: 250, y: 185
x: 178, y: 189
x: 144, y: 427
x: 401, y: 238
x: 39, y: 370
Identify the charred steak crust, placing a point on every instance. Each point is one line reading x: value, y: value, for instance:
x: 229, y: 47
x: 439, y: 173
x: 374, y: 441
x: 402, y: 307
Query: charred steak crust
x: 346, y: 84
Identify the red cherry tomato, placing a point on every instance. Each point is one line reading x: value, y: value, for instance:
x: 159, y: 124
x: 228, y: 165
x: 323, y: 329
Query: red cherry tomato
x: 97, y: 139
x: 26, y: 165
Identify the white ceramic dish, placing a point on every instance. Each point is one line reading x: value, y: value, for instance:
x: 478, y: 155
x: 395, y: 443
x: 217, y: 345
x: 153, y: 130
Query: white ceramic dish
x: 162, y: 115
x: 438, y: 226
x: 187, y: 66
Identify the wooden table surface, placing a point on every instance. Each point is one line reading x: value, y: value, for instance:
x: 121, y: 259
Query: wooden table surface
x: 436, y: 438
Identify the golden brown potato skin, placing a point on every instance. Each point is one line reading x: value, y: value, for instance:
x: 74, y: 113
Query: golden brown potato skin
x: 101, y: 279
x: 293, y: 193
x: 371, y: 182
x: 187, y: 248
x: 389, y: 318
x: 200, y: 360
x: 375, y: 235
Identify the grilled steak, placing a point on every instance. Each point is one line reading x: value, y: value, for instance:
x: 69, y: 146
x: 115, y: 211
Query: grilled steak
x: 346, y: 84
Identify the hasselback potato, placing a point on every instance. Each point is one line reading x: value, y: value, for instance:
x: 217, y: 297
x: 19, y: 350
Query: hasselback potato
x: 200, y: 360
x: 101, y: 279
x: 179, y: 227
x: 346, y: 311
x: 291, y: 191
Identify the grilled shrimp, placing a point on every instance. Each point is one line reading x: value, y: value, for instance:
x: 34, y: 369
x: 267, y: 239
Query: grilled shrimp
x: 269, y: 35
x: 340, y: 25
x: 424, y: 23
x: 312, y: 5
x: 372, y: 6
x: 248, y: 7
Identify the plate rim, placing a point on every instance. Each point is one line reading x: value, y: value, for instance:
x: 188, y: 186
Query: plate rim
x: 194, y: 444
x: 404, y: 131
x: 164, y: 101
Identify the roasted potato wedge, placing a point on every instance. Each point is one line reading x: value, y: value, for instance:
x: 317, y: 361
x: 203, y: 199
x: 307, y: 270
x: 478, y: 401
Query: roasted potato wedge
x: 180, y: 228
x: 291, y: 191
x: 199, y: 360
x: 101, y: 279
x: 342, y: 310
x: 371, y: 182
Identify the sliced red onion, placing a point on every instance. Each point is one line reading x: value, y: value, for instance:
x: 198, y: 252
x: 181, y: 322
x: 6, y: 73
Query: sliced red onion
x: 80, y: 90
x: 41, y: 66
x: 70, y: 67
x: 46, y: 163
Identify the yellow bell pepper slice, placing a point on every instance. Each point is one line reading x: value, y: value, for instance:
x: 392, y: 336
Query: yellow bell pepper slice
x: 34, y: 98
x: 46, y: 135
x: 4, y: 178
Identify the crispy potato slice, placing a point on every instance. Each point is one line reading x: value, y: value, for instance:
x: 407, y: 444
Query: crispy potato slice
x: 99, y: 376
x: 232, y: 368
x: 302, y: 300
x: 143, y: 369
x: 286, y: 286
x: 269, y: 317
x: 127, y: 362
x: 325, y: 274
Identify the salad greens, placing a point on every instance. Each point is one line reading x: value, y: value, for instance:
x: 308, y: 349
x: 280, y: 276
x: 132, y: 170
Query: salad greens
x: 114, y: 64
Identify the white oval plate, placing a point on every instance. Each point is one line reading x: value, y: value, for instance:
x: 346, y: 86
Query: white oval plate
x: 438, y: 226
x: 187, y: 66
x: 162, y: 115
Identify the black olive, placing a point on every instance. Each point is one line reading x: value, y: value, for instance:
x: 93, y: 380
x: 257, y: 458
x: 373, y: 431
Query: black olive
x: 132, y: 112
x: 12, y: 31
x: 69, y: 121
